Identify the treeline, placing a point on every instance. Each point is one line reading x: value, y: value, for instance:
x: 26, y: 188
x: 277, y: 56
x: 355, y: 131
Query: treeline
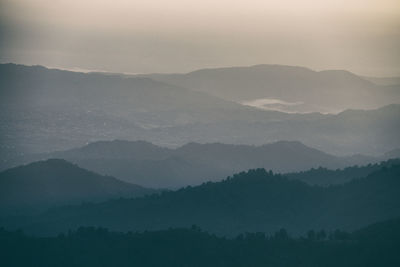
x: 325, y: 177
x: 376, y: 245
x: 253, y: 201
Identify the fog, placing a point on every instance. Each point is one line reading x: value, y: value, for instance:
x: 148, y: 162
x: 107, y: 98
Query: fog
x: 180, y: 36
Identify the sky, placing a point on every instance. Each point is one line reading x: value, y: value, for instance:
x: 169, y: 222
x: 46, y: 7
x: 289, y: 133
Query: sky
x: 132, y: 36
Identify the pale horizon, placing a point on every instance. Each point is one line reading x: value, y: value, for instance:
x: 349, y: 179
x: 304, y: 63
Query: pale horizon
x: 181, y: 36
x: 82, y: 70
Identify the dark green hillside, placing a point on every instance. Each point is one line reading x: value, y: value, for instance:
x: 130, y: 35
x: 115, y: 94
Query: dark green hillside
x: 324, y: 176
x: 247, y: 202
x: 55, y: 182
x: 376, y: 245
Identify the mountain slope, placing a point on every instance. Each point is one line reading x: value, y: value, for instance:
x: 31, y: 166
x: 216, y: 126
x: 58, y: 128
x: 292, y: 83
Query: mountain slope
x: 287, y: 88
x: 369, y: 132
x: 47, y: 109
x: 385, y: 81
x: 326, y: 177
x: 248, y: 202
x: 152, y: 166
x: 55, y: 182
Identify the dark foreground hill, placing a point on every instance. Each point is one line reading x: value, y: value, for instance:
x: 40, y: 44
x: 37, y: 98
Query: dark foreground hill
x: 326, y: 177
x: 153, y: 166
x: 44, y: 184
x: 247, y: 202
x: 376, y: 245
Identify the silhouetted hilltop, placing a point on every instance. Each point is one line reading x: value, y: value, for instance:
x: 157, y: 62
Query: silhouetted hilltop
x: 253, y: 201
x: 149, y: 165
x: 324, y: 176
x: 53, y: 182
x: 118, y: 149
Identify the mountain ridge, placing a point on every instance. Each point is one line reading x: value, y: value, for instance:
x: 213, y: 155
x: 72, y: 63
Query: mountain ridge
x: 146, y: 164
x: 253, y: 201
x: 323, y: 91
x: 54, y: 182
x: 58, y: 110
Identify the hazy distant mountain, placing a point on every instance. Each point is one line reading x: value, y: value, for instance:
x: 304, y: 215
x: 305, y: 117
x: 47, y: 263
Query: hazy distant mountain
x: 395, y: 153
x: 153, y: 166
x: 287, y: 88
x: 44, y: 110
x: 45, y: 184
x: 384, y: 80
x: 248, y: 202
x: 369, y: 132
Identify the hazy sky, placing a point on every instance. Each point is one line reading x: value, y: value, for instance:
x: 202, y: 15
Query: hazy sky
x: 182, y: 35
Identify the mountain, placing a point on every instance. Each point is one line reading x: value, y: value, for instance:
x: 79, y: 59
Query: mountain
x: 394, y: 153
x: 385, y: 81
x: 48, y: 109
x: 325, y: 177
x: 368, y: 132
x: 44, y: 110
x: 45, y: 184
x: 255, y: 201
x: 287, y: 88
x: 146, y: 164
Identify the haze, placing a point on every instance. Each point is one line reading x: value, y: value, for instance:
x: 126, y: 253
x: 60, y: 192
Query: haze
x: 180, y: 36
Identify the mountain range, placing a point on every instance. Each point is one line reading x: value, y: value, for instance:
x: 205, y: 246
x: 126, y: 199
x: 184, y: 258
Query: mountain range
x: 35, y: 187
x: 146, y: 164
x: 288, y: 88
x: 253, y: 201
x: 45, y: 110
x: 369, y: 132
